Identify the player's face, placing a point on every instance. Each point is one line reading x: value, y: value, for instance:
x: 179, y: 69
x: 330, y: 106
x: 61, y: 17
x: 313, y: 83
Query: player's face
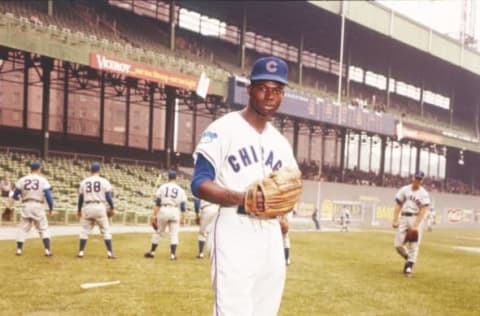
x: 265, y: 96
x: 416, y: 183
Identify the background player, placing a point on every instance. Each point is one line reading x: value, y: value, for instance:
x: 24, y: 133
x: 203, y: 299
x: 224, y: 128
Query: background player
x: 166, y: 213
x: 94, y: 192
x: 431, y: 219
x: 344, y: 219
x: 412, y: 203
x: 205, y: 214
x: 236, y: 150
x: 33, y: 189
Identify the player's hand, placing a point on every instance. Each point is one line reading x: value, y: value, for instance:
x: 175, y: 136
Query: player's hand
x: 182, y: 219
x: 395, y: 224
x: 197, y: 219
x: 79, y: 214
x: 50, y: 212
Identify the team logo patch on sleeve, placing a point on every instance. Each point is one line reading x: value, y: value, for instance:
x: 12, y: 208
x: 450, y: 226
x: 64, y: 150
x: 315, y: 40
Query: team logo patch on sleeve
x: 208, y: 137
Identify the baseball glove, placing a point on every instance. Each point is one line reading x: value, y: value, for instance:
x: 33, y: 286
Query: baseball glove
x: 110, y: 212
x: 275, y: 195
x: 411, y: 235
x: 7, y: 214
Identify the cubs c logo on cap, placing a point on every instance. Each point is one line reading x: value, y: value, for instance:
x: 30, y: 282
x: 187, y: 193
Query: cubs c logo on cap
x: 271, y: 66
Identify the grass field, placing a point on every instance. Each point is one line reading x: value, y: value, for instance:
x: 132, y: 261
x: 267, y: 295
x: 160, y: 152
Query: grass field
x: 355, y: 273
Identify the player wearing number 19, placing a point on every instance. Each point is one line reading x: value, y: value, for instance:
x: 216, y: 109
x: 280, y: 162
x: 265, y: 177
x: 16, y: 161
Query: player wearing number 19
x: 169, y: 197
x: 93, y: 193
x: 33, y: 189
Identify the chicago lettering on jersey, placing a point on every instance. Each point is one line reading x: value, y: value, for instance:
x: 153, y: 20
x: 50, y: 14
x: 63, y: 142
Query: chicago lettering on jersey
x: 246, y: 156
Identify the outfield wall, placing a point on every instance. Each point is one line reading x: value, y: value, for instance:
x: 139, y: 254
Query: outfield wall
x: 376, y: 204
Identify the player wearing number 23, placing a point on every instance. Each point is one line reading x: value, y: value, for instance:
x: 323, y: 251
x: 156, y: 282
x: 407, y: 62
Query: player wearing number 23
x: 33, y: 189
x: 93, y: 193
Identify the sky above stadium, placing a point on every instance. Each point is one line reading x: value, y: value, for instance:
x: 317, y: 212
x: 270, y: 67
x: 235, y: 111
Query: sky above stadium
x: 443, y: 16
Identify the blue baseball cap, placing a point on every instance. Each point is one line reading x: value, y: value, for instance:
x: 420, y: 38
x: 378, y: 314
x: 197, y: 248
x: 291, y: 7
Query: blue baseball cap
x: 419, y: 175
x: 35, y: 165
x: 172, y: 174
x: 270, y: 68
x: 95, y: 167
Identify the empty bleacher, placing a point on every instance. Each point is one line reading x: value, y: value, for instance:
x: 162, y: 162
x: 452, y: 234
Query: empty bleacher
x: 134, y: 184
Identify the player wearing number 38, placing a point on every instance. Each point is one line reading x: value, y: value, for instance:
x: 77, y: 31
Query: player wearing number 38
x: 93, y: 193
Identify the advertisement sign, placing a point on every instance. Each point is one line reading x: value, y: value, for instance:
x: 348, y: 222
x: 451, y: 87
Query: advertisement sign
x: 135, y: 70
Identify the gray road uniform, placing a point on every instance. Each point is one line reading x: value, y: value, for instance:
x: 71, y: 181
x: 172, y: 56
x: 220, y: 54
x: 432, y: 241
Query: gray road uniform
x: 95, y: 191
x: 411, y: 202
x: 33, y: 190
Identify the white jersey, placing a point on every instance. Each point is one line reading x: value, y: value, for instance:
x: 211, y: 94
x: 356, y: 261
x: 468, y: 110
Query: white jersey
x: 32, y: 188
x: 94, y: 188
x: 171, y: 194
x: 240, y: 161
x: 410, y: 200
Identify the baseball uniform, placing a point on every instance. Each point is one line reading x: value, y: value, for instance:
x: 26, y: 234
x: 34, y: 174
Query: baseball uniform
x: 170, y: 200
x: 410, y: 201
x: 94, y: 192
x: 206, y: 212
x: 33, y: 190
x: 240, y: 242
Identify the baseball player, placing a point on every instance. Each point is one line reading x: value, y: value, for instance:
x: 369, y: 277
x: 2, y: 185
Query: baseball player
x: 236, y: 150
x: 93, y: 193
x: 409, y: 213
x: 431, y: 219
x: 344, y: 219
x: 205, y: 214
x: 166, y: 213
x: 33, y: 189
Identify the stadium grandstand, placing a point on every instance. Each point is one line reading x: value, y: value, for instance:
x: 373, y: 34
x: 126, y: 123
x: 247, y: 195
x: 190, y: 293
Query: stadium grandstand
x: 374, y: 96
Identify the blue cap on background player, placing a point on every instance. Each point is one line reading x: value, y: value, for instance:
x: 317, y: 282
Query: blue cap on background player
x: 35, y: 165
x: 270, y: 68
x: 419, y: 175
x: 172, y: 174
x: 95, y: 167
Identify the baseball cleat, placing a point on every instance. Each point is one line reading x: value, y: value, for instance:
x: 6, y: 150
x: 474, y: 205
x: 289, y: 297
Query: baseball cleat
x: 111, y: 256
x: 200, y: 256
x: 48, y: 254
x: 148, y: 255
x: 173, y: 257
x: 288, y: 262
x: 19, y: 252
x: 408, y: 272
x: 80, y: 254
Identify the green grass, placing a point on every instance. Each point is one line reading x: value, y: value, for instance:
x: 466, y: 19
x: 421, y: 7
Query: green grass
x: 355, y: 273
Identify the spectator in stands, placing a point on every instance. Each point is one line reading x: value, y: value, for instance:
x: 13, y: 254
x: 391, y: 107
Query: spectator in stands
x: 5, y: 186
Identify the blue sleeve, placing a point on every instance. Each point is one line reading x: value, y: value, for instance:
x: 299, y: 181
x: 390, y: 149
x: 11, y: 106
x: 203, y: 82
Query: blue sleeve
x: 158, y: 202
x: 196, y: 205
x: 49, y: 198
x: 80, y: 202
x: 108, y: 197
x: 16, y: 194
x: 183, y: 207
x: 202, y: 172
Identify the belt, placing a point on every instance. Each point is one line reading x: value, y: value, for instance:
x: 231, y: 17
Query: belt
x: 408, y: 214
x: 32, y: 200
x: 93, y: 202
x: 241, y: 210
